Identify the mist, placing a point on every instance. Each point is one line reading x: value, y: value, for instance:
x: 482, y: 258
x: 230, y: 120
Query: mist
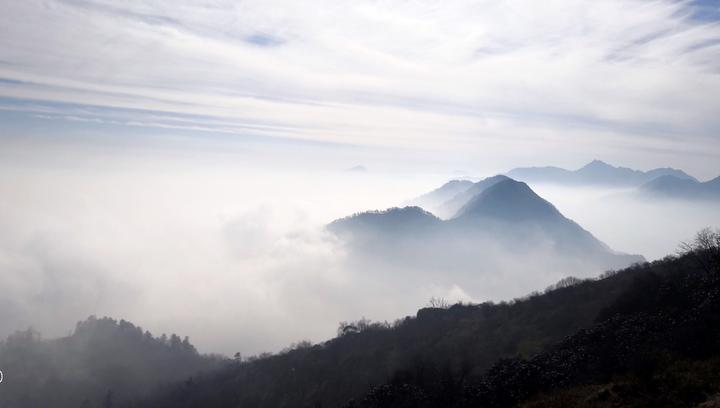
x: 630, y: 223
x: 235, y: 254
x: 231, y: 253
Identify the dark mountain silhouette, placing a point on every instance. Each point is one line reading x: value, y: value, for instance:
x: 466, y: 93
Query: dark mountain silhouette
x: 430, y: 201
x: 507, y: 214
x: 655, y: 345
x: 644, y: 336
x: 594, y: 173
x: 103, y: 363
x: 680, y: 188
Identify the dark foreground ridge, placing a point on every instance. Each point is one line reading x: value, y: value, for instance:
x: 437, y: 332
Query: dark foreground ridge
x: 645, y: 336
x: 655, y: 345
x: 648, y: 335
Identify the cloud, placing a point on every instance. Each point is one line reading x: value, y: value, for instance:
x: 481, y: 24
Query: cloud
x: 236, y: 257
x: 218, y: 243
x: 233, y: 257
x: 619, y: 74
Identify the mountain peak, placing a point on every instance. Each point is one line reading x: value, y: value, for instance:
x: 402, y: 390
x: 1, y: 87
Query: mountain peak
x: 597, y: 165
x: 451, y: 207
x: 510, y: 200
x: 396, y: 219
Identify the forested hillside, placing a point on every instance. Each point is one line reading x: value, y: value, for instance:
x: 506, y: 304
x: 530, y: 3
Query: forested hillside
x: 104, y: 363
x: 647, y: 333
x: 657, y: 345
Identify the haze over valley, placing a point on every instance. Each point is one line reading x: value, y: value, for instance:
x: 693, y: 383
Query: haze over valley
x: 134, y: 232
x: 359, y: 203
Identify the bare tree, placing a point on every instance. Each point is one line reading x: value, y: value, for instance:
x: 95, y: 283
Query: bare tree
x: 438, y: 303
x: 705, y: 249
x: 346, y: 328
x: 564, y: 283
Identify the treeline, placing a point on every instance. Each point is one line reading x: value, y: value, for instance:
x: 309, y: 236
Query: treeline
x: 460, y: 341
x: 104, y: 363
x: 646, y: 333
x: 658, y: 344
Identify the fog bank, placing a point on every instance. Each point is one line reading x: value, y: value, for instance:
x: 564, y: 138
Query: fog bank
x: 234, y: 254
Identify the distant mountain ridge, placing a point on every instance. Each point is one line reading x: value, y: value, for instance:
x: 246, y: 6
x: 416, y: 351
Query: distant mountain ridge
x: 679, y: 188
x: 596, y: 172
x: 440, y: 195
x: 447, y: 200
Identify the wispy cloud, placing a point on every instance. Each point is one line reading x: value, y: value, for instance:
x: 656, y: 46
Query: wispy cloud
x: 420, y: 74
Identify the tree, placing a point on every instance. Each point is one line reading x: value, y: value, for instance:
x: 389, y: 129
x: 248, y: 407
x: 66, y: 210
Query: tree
x: 346, y: 328
x: 175, y: 342
x: 705, y: 249
x: 564, y: 283
x: 438, y: 303
x: 187, y: 346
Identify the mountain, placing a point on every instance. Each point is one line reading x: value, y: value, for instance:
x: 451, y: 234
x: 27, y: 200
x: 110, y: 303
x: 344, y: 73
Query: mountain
x: 680, y: 188
x: 103, y: 363
x: 506, y: 219
x: 656, y: 345
x: 513, y: 206
x: 447, y: 200
x: 644, y: 336
x: 450, y: 207
x: 596, y: 173
x: 393, y: 221
x: 430, y: 201
x: 509, y: 200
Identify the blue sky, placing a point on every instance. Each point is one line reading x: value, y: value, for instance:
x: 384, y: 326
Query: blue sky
x: 502, y: 83
x: 706, y: 10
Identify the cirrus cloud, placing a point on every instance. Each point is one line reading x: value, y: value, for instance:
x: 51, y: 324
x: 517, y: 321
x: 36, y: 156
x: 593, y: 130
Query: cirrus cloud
x: 478, y: 76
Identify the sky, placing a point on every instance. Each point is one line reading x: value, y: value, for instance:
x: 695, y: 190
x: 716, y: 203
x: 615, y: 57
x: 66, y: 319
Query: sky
x: 174, y: 162
x: 475, y: 86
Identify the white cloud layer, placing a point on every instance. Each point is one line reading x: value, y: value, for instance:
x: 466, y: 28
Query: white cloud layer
x: 561, y: 77
x: 220, y: 237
